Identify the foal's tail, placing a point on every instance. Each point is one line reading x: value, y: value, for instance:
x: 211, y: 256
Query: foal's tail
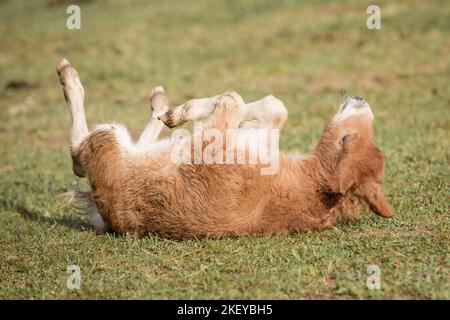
x: 79, y: 200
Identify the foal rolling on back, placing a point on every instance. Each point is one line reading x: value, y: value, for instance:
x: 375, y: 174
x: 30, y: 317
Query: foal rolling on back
x: 137, y: 188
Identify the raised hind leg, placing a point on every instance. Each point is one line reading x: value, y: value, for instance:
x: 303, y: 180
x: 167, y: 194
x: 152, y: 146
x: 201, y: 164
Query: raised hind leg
x: 74, y: 96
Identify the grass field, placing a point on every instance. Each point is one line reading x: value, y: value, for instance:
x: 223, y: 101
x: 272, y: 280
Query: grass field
x: 305, y: 54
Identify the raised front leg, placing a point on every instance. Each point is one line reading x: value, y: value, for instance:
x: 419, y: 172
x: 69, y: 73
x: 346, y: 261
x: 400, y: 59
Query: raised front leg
x: 196, y: 109
x: 227, y: 112
x: 218, y: 134
x: 267, y: 113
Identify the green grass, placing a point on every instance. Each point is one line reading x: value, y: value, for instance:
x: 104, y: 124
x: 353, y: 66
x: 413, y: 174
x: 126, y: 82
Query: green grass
x: 305, y: 54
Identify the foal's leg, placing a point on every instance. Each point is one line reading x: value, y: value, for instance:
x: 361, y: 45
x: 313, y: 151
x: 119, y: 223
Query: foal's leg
x: 228, y: 110
x: 74, y: 96
x: 159, y: 105
x: 196, y: 109
x: 268, y: 113
x: 256, y: 141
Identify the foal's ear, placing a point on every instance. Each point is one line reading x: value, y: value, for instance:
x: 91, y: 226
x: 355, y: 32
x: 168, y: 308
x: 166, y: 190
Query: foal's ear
x: 345, y: 174
x: 374, y: 196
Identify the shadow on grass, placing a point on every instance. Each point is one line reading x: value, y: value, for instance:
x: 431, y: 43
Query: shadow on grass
x: 74, y: 223
x: 67, y: 221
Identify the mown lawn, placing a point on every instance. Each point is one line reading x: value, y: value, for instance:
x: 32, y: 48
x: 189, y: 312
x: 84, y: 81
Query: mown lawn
x: 305, y: 54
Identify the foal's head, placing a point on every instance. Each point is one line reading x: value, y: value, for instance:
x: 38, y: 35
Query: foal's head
x: 350, y: 157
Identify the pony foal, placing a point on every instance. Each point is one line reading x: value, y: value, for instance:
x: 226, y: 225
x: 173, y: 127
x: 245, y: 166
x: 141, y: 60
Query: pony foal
x: 136, y: 188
